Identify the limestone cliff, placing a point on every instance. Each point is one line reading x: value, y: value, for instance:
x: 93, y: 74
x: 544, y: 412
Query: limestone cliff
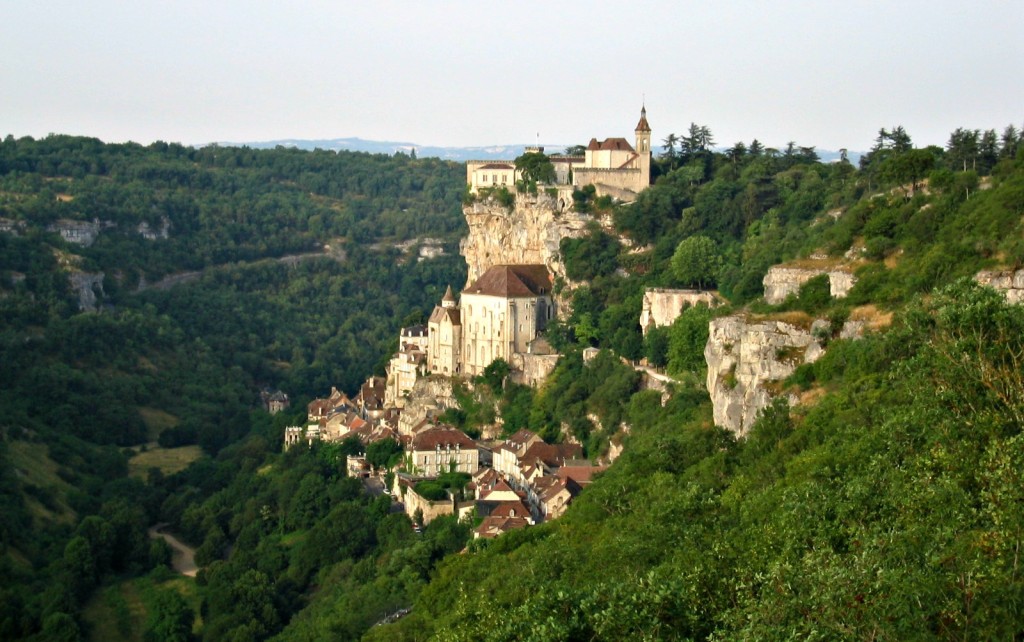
x: 429, y: 397
x: 743, y: 356
x: 1010, y: 283
x: 528, y: 232
x: 87, y: 285
x: 661, y: 306
x: 783, y: 280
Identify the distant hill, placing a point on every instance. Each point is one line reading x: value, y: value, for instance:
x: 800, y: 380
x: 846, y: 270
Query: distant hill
x: 487, y: 152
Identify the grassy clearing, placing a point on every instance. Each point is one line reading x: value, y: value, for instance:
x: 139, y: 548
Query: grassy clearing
x: 157, y: 421
x: 168, y: 460
x: 119, y: 611
x: 45, y: 490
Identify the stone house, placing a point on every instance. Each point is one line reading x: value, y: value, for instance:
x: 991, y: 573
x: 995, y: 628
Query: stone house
x: 440, y: 449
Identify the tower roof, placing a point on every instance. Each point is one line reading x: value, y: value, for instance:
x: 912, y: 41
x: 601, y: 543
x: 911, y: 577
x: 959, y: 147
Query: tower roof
x: 448, y: 296
x: 642, y: 126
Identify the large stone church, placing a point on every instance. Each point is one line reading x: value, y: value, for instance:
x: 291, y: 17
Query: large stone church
x: 499, y: 315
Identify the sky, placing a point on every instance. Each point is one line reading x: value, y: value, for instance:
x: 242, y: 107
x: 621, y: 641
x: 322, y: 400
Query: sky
x: 817, y: 72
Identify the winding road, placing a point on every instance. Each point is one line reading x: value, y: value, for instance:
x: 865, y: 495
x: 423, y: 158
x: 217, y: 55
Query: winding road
x: 183, y: 556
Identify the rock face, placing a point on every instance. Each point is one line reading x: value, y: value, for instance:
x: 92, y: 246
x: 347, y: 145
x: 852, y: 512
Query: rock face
x: 662, y: 306
x: 527, y: 233
x: 1010, y: 283
x: 87, y: 285
x: 743, y: 356
x: 429, y: 397
x: 781, y: 281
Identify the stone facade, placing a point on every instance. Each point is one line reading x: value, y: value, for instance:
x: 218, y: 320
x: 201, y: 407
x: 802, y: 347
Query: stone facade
x: 1009, y: 282
x: 502, y: 313
x: 437, y: 449
x: 782, y: 281
x: 661, y: 306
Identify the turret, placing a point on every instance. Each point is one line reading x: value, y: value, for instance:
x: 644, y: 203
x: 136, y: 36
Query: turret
x: 643, y: 133
x: 643, y: 148
x: 449, y: 299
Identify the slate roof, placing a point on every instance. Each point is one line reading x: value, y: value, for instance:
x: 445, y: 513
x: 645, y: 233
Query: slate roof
x: 512, y: 281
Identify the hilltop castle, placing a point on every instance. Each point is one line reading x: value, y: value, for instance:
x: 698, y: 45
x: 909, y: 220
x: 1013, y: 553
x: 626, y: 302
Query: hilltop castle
x: 613, y: 166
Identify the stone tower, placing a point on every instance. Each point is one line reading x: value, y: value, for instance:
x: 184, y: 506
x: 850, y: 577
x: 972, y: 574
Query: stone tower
x: 643, y: 148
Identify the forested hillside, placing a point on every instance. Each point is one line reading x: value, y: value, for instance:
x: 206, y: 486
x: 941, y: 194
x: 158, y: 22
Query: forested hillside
x: 886, y: 504
x: 169, y: 370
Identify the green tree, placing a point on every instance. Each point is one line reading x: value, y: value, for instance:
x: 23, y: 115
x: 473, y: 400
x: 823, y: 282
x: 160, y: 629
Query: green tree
x: 170, y: 618
x: 384, y: 453
x: 696, y: 262
x: 535, y: 167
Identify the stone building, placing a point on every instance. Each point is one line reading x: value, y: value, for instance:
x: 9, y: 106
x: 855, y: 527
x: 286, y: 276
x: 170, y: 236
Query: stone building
x: 613, y: 166
x: 444, y: 337
x: 406, y: 365
x: 502, y: 312
x: 437, y: 450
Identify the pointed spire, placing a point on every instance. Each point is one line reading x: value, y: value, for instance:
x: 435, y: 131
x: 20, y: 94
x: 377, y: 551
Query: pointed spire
x: 642, y: 126
x: 449, y: 299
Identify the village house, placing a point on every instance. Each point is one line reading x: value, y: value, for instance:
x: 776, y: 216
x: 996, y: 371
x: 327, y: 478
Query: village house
x: 406, y: 365
x: 442, y: 449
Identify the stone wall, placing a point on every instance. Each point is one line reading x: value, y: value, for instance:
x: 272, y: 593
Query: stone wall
x: 781, y: 281
x: 532, y: 369
x: 743, y: 356
x: 1009, y: 282
x: 661, y: 306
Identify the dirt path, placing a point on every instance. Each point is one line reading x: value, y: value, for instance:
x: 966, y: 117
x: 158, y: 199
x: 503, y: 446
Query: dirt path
x: 172, y: 280
x: 182, y: 555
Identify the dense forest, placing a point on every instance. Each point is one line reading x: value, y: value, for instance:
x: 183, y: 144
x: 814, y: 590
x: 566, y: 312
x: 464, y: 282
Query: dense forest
x: 886, y: 506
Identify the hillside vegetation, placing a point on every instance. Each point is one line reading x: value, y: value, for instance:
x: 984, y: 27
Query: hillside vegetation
x: 886, y: 507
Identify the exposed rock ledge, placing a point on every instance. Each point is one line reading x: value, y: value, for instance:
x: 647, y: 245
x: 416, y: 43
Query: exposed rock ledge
x: 781, y: 281
x: 661, y: 306
x: 87, y: 285
x: 743, y: 356
x: 529, y: 232
x: 1009, y: 282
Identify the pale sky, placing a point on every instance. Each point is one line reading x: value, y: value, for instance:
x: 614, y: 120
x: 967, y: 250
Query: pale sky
x: 817, y: 72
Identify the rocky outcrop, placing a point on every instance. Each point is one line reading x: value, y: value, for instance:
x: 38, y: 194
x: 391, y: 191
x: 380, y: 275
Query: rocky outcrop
x: 151, y: 233
x: 782, y: 281
x: 529, y: 232
x: 1009, y: 282
x: 661, y: 306
x: 743, y: 356
x: 429, y: 397
x: 80, y: 232
x: 87, y: 285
